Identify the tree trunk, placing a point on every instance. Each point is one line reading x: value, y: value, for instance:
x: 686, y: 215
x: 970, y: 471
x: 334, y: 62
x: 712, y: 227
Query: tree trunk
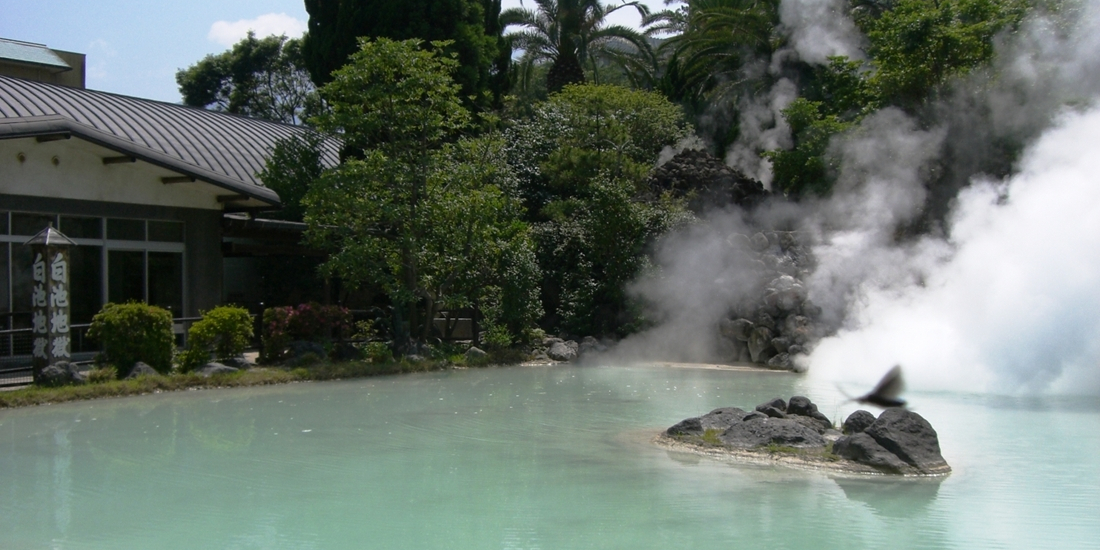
x: 566, y: 70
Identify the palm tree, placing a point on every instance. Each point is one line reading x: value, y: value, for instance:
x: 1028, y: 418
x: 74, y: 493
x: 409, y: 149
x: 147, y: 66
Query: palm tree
x: 714, y: 39
x: 570, y: 33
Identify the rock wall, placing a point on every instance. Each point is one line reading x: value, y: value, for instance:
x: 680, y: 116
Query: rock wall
x: 775, y: 321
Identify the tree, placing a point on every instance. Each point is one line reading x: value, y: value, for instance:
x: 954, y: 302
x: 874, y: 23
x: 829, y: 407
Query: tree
x: 263, y: 78
x: 583, y: 160
x: 472, y: 26
x: 429, y: 219
x: 569, y: 34
x: 916, y: 46
x: 294, y: 164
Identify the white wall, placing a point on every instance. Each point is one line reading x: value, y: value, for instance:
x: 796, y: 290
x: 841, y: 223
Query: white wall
x: 80, y: 174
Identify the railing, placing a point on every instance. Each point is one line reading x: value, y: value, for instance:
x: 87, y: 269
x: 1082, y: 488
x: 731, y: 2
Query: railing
x: 16, y: 346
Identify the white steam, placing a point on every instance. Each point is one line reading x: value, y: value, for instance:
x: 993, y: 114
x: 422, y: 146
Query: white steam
x: 1017, y: 307
x: 762, y: 128
x: 819, y: 29
x: 1006, y: 298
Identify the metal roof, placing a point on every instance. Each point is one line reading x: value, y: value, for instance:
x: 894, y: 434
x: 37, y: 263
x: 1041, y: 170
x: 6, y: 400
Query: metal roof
x: 222, y: 149
x: 31, y: 53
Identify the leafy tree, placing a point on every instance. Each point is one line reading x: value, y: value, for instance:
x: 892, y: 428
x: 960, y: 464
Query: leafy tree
x: 429, y: 220
x: 472, y: 26
x: 916, y: 46
x: 570, y: 33
x: 294, y: 164
x: 263, y: 78
x: 583, y: 160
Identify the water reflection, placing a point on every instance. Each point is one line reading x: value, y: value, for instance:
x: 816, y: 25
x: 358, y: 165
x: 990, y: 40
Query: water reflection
x: 892, y: 497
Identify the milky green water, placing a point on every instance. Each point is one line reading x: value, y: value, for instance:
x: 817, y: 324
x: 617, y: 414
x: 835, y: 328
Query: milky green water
x: 523, y: 458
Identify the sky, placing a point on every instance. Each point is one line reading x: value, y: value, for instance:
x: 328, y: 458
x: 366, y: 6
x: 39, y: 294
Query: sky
x: 135, y: 47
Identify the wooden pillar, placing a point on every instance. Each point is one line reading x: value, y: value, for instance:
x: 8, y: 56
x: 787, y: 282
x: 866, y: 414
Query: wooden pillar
x: 52, y: 339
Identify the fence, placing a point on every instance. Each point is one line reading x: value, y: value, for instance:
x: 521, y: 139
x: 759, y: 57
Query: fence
x: 16, y: 345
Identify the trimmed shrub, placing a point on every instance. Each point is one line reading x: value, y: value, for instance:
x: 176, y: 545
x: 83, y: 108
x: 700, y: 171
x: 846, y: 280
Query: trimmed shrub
x: 133, y: 332
x: 310, y: 322
x: 224, y: 330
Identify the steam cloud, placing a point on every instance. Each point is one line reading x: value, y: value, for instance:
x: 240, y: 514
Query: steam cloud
x: 1005, y: 298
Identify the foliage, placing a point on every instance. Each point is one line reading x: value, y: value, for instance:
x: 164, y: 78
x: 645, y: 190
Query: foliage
x: 378, y: 352
x: 472, y: 28
x: 805, y: 169
x: 224, y: 330
x: 295, y: 162
x: 586, y: 130
x: 582, y: 160
x: 263, y: 78
x: 133, y: 332
x: 102, y: 374
x: 311, y: 322
x: 430, y: 220
x: 569, y: 34
x: 715, y: 39
x: 918, y: 45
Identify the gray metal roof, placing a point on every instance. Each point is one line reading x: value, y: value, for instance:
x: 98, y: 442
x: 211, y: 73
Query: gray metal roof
x: 31, y: 53
x: 223, y: 149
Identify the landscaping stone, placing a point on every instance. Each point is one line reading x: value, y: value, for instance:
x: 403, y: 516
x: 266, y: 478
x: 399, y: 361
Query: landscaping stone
x: 563, y: 351
x: 909, y: 436
x: 141, y: 369
x: 474, y: 353
x: 210, y: 369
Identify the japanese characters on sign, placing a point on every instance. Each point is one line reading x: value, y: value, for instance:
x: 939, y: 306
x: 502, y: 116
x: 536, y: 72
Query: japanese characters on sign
x: 50, y: 305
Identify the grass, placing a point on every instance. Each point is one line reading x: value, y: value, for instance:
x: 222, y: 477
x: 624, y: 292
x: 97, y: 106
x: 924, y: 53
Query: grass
x: 36, y: 395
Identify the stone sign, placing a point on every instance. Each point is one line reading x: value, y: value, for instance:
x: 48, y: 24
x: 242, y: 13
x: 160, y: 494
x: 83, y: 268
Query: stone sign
x: 50, y: 299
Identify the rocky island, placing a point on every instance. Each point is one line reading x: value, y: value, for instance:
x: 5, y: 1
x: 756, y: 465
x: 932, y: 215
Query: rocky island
x: 795, y: 433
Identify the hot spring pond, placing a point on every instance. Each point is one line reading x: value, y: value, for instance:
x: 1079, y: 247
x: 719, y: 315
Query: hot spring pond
x: 523, y: 458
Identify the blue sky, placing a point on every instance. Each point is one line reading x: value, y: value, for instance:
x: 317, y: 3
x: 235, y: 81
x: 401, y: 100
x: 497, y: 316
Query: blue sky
x: 135, y: 47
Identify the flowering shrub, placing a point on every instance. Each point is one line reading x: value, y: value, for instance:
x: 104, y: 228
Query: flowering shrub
x: 312, y: 322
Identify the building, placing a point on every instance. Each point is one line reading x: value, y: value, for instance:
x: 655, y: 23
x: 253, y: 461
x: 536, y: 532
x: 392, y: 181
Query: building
x: 143, y: 187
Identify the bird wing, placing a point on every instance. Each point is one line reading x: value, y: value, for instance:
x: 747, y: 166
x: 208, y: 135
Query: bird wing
x: 891, y: 385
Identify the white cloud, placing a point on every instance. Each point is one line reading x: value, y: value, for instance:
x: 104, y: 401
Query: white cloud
x: 228, y: 33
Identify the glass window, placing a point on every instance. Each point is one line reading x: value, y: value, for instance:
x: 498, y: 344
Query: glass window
x: 30, y: 224
x: 166, y: 281
x: 3, y: 223
x: 85, y: 282
x: 125, y: 275
x: 5, y: 298
x: 171, y: 232
x: 21, y: 286
x: 81, y: 228
x: 125, y: 230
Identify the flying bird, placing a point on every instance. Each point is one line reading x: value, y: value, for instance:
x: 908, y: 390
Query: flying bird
x: 886, y: 393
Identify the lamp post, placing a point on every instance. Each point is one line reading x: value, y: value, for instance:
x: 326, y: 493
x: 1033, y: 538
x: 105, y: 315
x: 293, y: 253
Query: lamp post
x: 50, y: 299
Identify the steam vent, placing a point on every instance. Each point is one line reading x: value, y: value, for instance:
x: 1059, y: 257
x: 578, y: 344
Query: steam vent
x: 898, y: 441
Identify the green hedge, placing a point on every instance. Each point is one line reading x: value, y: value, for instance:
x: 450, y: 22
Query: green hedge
x: 133, y: 332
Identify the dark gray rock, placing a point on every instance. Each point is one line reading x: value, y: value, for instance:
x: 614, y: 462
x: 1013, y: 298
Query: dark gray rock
x: 54, y: 375
x: 590, y: 345
x: 738, y: 330
x: 687, y: 426
x: 810, y: 422
x: 720, y: 419
x: 771, y: 412
x: 769, y: 431
x: 141, y: 369
x: 857, y: 422
x: 778, y: 403
x: 910, y: 437
x: 863, y: 449
x: 759, y: 242
x: 475, y: 352
x: 563, y: 351
x: 760, y: 345
x: 754, y: 415
x: 781, y: 345
x: 781, y: 361
x: 801, y: 405
x: 299, y: 348
x: 210, y: 369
